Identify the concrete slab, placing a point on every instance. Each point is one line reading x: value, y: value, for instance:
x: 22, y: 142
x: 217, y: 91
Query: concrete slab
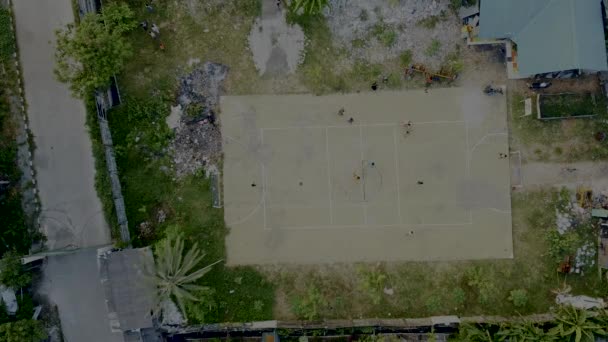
x: 303, y: 185
x: 71, y: 211
x: 72, y: 282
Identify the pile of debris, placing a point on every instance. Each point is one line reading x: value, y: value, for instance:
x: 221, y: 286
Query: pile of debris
x: 585, y: 257
x: 198, y: 141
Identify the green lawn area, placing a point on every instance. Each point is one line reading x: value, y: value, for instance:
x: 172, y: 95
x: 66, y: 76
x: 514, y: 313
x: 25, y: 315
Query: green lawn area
x: 568, y: 140
x: 572, y: 105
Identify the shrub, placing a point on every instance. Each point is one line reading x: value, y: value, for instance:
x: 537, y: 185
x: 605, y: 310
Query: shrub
x: 433, y: 48
x: 519, y: 297
x: 405, y: 58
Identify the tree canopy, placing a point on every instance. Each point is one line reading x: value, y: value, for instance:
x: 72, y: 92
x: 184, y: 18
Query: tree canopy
x: 89, y: 54
x: 12, y: 273
x: 26, y: 330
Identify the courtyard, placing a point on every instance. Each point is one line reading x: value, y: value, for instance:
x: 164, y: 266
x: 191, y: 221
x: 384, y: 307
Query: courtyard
x: 413, y: 176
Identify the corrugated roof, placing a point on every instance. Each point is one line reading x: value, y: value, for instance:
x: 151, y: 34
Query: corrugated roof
x: 551, y: 35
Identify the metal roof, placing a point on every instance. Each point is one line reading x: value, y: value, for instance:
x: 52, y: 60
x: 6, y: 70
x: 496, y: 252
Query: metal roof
x: 551, y: 35
x: 130, y: 294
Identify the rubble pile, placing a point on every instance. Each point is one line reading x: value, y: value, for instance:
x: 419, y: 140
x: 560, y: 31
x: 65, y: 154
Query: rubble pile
x: 198, y: 140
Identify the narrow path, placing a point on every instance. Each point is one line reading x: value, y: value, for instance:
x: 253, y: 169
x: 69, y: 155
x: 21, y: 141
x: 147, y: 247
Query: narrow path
x: 71, y: 211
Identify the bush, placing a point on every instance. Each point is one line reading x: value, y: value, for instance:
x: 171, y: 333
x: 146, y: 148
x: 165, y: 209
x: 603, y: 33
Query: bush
x: 433, y: 48
x: 519, y: 297
x: 405, y: 59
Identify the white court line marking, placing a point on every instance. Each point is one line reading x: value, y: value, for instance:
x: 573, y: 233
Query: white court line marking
x: 366, y: 125
x: 362, y: 174
x: 263, y: 182
x: 446, y: 225
x: 467, y: 167
x: 260, y: 202
x: 396, y: 157
x: 329, y: 186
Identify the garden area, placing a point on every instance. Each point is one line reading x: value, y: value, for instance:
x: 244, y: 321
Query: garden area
x: 162, y: 204
x: 570, y: 105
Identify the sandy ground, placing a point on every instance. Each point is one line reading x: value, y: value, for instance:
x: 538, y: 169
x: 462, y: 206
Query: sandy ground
x: 276, y: 46
x: 302, y: 185
x: 357, y: 20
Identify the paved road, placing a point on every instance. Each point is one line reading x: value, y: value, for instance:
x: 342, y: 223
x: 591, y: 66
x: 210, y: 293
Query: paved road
x: 72, y: 282
x: 71, y: 210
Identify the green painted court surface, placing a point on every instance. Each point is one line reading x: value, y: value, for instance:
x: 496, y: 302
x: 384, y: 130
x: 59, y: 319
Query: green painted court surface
x: 304, y: 185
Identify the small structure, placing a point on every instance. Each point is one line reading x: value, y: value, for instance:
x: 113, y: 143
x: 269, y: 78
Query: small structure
x: 545, y: 36
x: 130, y: 295
x: 9, y: 299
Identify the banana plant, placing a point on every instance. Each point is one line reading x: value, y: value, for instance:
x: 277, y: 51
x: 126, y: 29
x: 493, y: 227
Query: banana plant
x: 576, y: 325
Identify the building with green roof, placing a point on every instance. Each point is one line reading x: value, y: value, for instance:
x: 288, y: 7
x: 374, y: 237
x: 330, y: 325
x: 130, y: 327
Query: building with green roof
x: 547, y: 35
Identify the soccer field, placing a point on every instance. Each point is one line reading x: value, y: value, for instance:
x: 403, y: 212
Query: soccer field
x: 414, y: 176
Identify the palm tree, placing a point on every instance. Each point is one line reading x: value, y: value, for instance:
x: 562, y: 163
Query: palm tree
x: 176, y: 273
x: 309, y: 7
x: 577, y: 325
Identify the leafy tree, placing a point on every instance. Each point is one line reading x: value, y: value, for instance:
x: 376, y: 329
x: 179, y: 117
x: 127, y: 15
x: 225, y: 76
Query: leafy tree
x: 12, y: 273
x: 576, y: 325
x: 308, y: 7
x: 90, y: 53
x: 176, y: 272
x: 26, y: 330
x: 4, y: 318
x: 519, y: 297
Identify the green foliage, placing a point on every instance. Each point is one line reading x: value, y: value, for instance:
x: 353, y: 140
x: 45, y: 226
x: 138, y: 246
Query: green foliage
x: 26, y: 330
x: 431, y: 21
x: 433, y: 304
x: 307, y: 7
x: 459, y: 296
x: 89, y: 54
x: 519, y: 297
x: 26, y: 307
x: 372, y: 282
x: 309, y: 306
x: 4, y: 318
x: 405, y: 59
x: 12, y: 273
x: 474, y: 333
x: 176, y: 271
x: 576, y: 325
x: 384, y: 33
x: 7, y: 43
x: 433, y: 48
x: 562, y: 245
x: 453, y: 63
x: 482, y: 281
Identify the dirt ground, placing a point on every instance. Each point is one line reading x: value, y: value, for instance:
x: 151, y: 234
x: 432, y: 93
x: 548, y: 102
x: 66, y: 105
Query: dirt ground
x: 303, y: 185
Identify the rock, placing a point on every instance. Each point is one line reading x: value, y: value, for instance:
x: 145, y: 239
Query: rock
x: 389, y: 291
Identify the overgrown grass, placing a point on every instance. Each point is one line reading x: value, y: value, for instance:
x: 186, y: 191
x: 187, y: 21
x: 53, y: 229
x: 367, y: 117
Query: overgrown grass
x: 461, y: 288
x: 141, y: 140
x: 433, y: 48
x: 572, y: 105
x: 557, y: 140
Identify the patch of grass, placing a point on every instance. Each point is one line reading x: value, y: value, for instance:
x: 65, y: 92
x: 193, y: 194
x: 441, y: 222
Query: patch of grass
x: 358, y: 43
x: 405, y: 59
x: 431, y: 22
x: 7, y: 43
x: 572, y: 105
x: 385, y: 33
x: 433, y: 48
x: 458, y: 287
x: 556, y: 140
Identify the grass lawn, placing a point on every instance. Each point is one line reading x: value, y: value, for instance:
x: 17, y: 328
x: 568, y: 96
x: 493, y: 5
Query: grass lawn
x: 572, y: 105
x: 556, y: 140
